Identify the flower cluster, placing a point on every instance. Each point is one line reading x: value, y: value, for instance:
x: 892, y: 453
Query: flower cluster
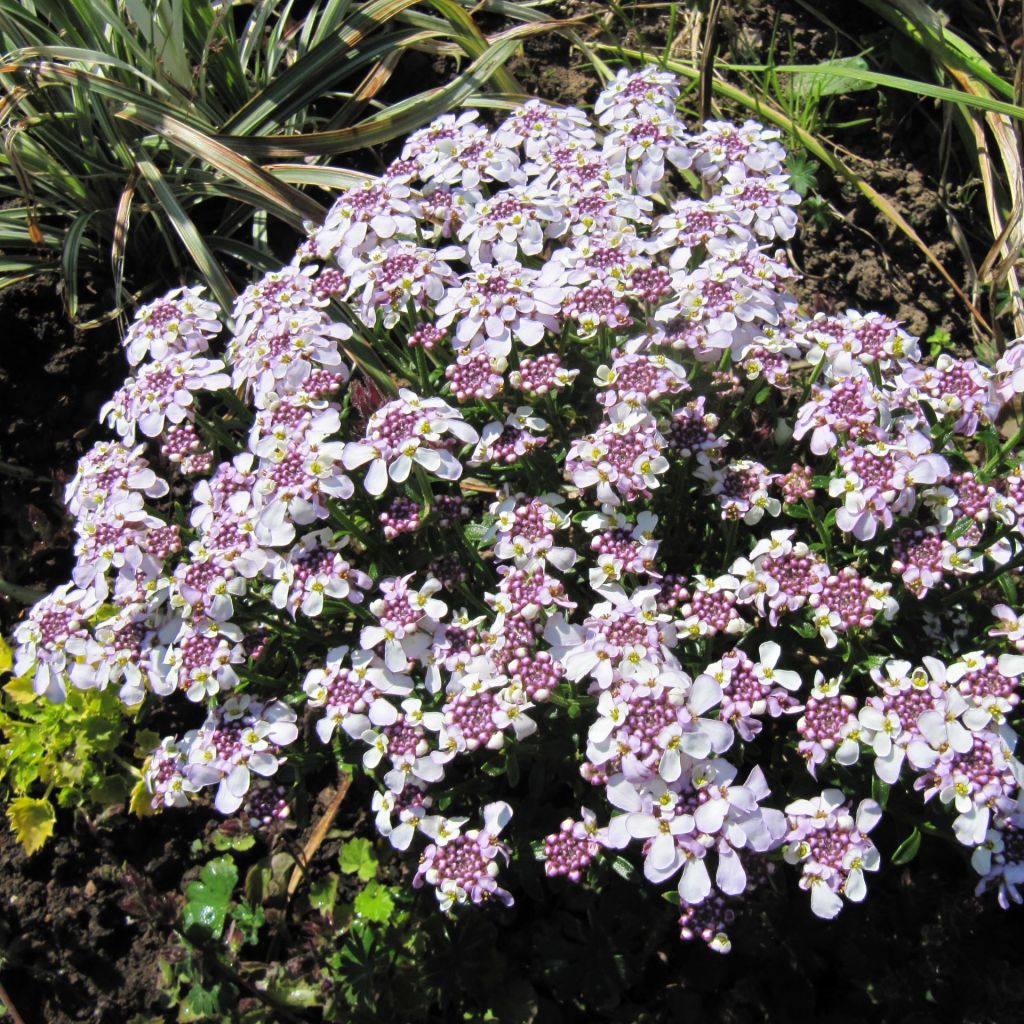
x: 612, y: 493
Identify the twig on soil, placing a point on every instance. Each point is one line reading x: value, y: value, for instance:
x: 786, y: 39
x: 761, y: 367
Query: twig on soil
x: 318, y: 834
x: 16, y: 1018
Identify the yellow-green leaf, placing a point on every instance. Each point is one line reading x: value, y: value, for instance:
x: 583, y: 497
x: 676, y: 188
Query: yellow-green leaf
x: 6, y: 658
x: 141, y: 802
x: 32, y: 821
x: 20, y: 689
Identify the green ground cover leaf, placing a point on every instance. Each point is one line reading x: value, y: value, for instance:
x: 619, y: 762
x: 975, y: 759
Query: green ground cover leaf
x: 209, y: 898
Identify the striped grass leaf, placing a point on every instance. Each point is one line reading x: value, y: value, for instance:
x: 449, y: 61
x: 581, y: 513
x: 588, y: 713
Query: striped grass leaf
x: 288, y: 203
x: 186, y: 230
x: 398, y: 120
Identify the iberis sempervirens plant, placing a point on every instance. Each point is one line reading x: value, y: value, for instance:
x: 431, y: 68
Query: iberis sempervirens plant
x: 529, y: 486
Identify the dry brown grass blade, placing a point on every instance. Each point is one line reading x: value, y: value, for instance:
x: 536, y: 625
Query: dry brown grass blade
x: 1002, y: 259
x: 1008, y: 234
x: 5, y: 999
x: 120, y: 243
x: 35, y: 232
x: 319, y: 834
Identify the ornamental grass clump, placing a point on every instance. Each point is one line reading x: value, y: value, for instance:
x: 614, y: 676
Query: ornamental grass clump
x: 530, y: 464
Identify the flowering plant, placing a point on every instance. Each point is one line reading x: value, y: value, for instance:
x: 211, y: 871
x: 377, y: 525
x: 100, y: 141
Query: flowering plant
x: 530, y: 459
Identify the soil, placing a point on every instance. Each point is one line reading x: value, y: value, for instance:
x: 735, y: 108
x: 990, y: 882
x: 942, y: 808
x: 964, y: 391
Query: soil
x: 921, y: 949
x: 54, y: 379
x: 73, y: 953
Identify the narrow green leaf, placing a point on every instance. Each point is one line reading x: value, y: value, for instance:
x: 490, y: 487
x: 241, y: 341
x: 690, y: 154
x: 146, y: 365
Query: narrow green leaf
x: 907, y: 850
x: 211, y: 270
x: 473, y: 41
x: 320, y: 67
x: 960, y: 527
x: 624, y: 869
x: 27, y: 58
x: 73, y: 242
x: 44, y: 74
x: 398, y: 120
x: 880, y: 791
x: 288, y: 203
x: 926, y: 26
x: 864, y: 75
x: 330, y: 178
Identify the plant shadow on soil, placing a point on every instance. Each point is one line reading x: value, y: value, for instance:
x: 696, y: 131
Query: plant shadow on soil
x: 920, y: 949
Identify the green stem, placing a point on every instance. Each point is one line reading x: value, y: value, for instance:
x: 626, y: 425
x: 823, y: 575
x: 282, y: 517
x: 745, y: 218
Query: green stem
x: 1013, y: 442
x: 826, y: 540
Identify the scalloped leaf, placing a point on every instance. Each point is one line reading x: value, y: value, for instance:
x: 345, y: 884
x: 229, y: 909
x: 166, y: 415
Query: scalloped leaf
x: 32, y: 822
x: 375, y: 903
x: 20, y: 690
x: 209, y: 898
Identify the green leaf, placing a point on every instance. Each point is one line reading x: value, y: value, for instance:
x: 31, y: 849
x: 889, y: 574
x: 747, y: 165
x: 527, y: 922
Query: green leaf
x: 930, y: 29
x: 207, y: 263
x: 512, y: 768
x: 202, y: 1004
x: 20, y: 690
x: 863, y: 76
x: 397, y: 120
x: 907, y: 850
x: 375, y: 903
x: 803, y: 174
x: 257, y: 882
x: 249, y: 919
x: 829, y: 78
x: 321, y: 177
x: 32, y: 822
x: 297, y: 992
x: 140, y: 802
x: 6, y: 657
x: 323, y: 893
x: 421, y: 484
x: 960, y: 527
x: 208, y: 899
x: 225, y: 841
x: 267, y: 192
x: 624, y: 869
x: 357, y: 858
x: 317, y: 69
x: 880, y: 791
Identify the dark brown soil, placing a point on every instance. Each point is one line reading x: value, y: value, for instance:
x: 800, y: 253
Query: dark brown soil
x: 54, y: 379
x: 72, y: 951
